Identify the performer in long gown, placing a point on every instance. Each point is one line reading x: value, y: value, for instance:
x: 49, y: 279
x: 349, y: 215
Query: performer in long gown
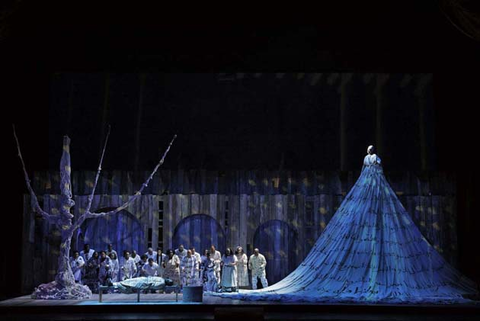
x: 105, y: 269
x: 217, y: 258
x: 209, y: 278
x: 242, y: 268
x: 371, y: 251
x: 229, y: 271
x: 161, y: 257
x: 203, y: 264
x: 90, y: 278
x: 77, y: 263
x: 115, y: 267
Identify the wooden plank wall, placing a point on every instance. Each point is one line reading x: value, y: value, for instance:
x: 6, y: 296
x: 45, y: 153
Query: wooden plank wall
x: 240, y: 201
x: 264, y: 182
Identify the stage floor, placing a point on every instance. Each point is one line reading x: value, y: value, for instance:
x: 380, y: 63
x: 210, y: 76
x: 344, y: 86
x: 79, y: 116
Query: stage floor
x: 116, y: 306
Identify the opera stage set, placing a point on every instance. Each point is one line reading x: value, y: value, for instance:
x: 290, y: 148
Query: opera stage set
x: 123, y: 150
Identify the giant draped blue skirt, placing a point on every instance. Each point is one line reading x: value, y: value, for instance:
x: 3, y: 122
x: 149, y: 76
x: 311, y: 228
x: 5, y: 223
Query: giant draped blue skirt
x: 370, y: 252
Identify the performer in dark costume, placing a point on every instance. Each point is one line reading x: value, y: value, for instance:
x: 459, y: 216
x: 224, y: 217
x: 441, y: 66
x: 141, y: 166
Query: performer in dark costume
x: 91, y: 273
x: 371, y: 251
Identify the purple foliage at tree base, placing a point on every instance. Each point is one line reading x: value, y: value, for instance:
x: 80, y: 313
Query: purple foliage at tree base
x: 53, y: 291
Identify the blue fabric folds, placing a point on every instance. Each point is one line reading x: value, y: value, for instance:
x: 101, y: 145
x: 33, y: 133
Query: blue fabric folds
x: 370, y: 252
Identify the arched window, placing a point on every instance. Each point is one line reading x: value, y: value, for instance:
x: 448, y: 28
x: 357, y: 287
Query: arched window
x: 123, y: 230
x: 200, y: 231
x: 278, y: 242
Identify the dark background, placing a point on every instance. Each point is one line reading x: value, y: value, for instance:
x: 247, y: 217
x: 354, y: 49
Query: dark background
x: 228, y: 121
x: 42, y: 44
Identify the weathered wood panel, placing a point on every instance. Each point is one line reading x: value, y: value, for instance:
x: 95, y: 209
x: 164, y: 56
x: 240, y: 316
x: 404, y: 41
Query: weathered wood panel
x: 240, y: 201
x: 265, y: 182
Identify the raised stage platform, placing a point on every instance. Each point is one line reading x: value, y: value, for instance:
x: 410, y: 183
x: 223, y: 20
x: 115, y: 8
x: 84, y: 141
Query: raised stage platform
x: 164, y: 307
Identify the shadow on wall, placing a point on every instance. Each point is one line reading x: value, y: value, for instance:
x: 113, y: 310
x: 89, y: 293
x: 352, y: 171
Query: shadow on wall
x: 278, y: 242
x: 123, y: 230
x: 200, y: 231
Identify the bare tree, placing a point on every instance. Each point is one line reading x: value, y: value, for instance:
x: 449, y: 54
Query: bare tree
x: 64, y: 286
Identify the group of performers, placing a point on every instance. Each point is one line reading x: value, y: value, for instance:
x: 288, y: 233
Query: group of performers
x: 370, y: 251
x: 184, y: 267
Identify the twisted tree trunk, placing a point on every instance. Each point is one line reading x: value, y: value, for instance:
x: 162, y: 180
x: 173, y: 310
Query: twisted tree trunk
x: 64, y: 286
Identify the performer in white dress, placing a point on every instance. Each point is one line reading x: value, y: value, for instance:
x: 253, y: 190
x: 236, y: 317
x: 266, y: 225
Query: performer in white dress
x: 242, y: 268
x: 229, y: 272
x: 77, y: 263
x: 115, y: 267
x: 217, y: 258
x: 128, y: 268
x: 172, y: 268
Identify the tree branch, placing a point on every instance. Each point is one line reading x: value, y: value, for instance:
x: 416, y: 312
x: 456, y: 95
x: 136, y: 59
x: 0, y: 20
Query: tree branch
x: 89, y: 214
x: 35, y: 205
x: 90, y: 197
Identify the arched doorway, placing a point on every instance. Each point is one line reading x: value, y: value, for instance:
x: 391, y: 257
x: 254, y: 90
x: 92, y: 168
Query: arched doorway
x: 278, y: 242
x: 200, y: 231
x: 123, y: 230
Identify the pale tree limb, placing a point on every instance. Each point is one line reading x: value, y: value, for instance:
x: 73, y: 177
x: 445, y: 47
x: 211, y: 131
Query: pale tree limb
x: 90, y: 197
x: 89, y: 214
x: 36, y: 206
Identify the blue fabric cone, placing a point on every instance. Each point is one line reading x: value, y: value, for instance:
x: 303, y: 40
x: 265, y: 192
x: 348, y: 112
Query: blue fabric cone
x: 370, y: 252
